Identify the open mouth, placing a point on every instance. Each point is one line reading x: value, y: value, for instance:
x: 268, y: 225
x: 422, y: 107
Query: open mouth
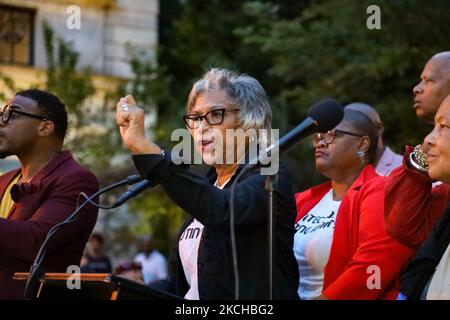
x: 206, y: 144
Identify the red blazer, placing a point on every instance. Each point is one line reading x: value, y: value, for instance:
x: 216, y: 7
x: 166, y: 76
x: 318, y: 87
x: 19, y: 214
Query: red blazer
x: 359, y: 241
x: 40, y: 204
x: 412, y: 206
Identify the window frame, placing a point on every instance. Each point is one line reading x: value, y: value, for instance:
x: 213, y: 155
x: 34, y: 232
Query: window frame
x: 31, y: 34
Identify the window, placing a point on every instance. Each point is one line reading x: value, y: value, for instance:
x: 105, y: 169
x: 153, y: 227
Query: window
x: 16, y: 35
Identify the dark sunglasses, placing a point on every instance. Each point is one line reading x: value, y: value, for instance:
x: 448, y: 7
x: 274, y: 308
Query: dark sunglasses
x: 9, y: 110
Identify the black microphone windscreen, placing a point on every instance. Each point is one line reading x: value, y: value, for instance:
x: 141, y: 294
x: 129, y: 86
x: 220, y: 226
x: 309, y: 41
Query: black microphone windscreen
x: 327, y: 113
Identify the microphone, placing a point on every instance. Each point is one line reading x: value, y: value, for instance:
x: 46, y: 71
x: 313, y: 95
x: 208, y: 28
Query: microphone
x: 134, y: 190
x: 32, y: 286
x: 322, y: 116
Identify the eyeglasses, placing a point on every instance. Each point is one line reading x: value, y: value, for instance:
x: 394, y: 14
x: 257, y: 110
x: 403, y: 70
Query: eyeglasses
x: 9, y: 111
x: 328, y: 137
x: 213, y: 117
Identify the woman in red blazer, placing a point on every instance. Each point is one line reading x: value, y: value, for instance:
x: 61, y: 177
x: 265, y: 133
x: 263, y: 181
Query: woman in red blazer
x: 341, y: 246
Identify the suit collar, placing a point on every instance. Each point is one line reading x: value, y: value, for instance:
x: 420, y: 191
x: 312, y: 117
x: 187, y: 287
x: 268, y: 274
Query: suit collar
x: 21, y: 189
x: 62, y: 157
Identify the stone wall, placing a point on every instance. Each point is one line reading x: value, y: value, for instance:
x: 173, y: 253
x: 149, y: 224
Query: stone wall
x: 105, y: 30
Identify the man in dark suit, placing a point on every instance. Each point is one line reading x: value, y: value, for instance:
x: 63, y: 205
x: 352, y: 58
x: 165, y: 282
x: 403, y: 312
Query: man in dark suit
x: 42, y: 192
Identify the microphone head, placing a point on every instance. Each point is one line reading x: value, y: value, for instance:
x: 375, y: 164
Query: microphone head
x: 327, y: 113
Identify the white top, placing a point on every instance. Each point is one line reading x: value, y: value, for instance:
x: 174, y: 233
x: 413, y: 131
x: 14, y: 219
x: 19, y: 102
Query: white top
x: 188, y: 250
x: 388, y: 162
x: 312, y: 244
x: 439, y: 288
x: 154, y: 266
x: 188, y: 245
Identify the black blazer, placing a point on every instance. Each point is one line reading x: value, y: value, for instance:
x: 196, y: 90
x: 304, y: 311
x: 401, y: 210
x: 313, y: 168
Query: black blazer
x: 419, y: 272
x: 198, y: 196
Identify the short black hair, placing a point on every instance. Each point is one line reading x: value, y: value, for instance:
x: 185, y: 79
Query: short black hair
x: 51, y: 107
x: 363, y: 125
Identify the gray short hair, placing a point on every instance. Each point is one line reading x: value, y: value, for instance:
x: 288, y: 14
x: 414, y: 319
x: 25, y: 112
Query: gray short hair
x: 245, y: 92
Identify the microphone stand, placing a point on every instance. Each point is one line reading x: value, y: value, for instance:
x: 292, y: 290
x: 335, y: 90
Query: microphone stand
x: 36, y: 273
x: 270, y: 188
x: 328, y: 113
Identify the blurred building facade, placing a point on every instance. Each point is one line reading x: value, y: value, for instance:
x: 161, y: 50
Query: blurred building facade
x: 106, y: 28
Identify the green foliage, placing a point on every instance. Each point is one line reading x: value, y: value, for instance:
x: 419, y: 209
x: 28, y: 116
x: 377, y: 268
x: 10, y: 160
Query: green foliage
x: 300, y: 50
x: 95, y: 139
x: 195, y: 36
x: 150, y: 87
x: 92, y: 134
x: 303, y: 51
x: 327, y: 50
x: 63, y: 79
x: 9, y: 85
x: 159, y: 217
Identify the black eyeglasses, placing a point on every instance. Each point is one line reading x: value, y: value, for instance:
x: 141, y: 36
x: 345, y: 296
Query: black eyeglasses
x: 213, y: 117
x: 9, y: 111
x: 328, y: 137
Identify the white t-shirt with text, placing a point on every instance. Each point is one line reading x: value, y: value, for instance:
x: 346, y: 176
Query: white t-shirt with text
x: 188, y: 245
x: 312, y: 243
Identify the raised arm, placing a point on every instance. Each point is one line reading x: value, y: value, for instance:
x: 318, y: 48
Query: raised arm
x: 412, y: 205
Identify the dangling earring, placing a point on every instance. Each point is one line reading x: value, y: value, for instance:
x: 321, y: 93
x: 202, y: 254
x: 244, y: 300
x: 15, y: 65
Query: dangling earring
x: 362, y: 155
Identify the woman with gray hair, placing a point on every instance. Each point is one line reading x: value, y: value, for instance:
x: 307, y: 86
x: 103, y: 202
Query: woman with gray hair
x: 201, y: 264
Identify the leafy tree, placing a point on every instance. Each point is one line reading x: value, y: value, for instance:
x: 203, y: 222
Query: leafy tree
x: 327, y: 50
x: 300, y: 50
x: 96, y: 140
x: 63, y: 79
x: 9, y: 85
x: 92, y: 135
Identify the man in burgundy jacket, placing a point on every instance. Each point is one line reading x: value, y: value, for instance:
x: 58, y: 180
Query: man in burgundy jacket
x: 42, y: 192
